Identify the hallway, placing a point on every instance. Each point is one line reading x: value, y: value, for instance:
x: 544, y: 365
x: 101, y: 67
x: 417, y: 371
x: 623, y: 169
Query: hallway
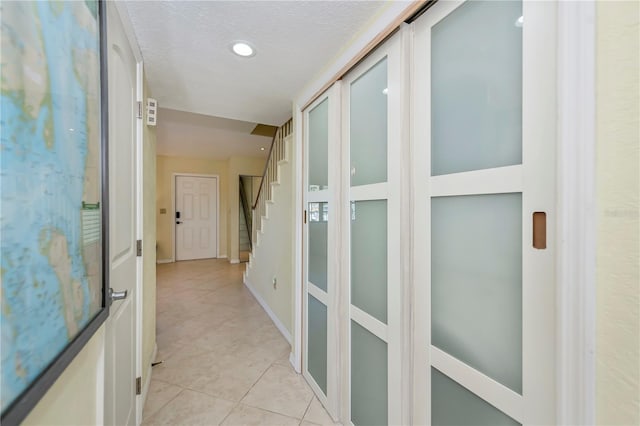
x: 223, y: 360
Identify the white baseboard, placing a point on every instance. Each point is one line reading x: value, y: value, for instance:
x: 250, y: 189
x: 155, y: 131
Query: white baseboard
x: 147, y: 383
x: 292, y: 361
x: 222, y: 256
x: 164, y: 261
x: 234, y: 261
x: 269, y: 312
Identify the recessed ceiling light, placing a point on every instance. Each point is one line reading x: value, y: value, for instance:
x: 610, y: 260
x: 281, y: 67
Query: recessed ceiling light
x: 262, y: 148
x: 242, y: 48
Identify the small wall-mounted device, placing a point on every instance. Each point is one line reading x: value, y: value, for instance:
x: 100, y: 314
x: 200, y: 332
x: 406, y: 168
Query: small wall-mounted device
x: 152, y: 112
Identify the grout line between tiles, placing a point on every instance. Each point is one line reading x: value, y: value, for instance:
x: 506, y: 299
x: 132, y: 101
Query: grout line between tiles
x: 307, y: 410
x: 151, y: 416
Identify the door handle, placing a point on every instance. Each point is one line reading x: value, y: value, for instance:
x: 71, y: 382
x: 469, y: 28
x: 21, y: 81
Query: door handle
x: 117, y: 295
x: 178, y: 222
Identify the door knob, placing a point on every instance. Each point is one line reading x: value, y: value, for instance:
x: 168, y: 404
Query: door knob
x: 117, y: 295
x: 178, y: 222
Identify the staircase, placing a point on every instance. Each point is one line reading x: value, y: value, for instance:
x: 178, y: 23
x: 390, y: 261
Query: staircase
x: 270, y: 178
x: 269, y: 273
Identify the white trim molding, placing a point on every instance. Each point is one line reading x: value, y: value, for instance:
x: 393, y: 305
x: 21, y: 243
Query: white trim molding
x: 267, y: 309
x: 140, y: 185
x: 576, y: 213
x: 129, y: 32
x: 147, y: 383
x: 297, y: 235
x: 160, y: 261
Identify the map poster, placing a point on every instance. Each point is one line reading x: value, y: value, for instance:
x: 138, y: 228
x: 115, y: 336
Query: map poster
x: 51, y: 197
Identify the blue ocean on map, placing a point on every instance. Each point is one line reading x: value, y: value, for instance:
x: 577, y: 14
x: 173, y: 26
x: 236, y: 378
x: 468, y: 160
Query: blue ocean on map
x: 43, y: 162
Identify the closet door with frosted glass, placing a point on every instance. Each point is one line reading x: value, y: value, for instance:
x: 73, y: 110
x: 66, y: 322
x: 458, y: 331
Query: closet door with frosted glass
x: 321, y: 136
x: 372, y: 95
x: 484, y: 173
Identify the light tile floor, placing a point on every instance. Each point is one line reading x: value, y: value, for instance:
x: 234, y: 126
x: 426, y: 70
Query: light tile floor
x: 223, y: 360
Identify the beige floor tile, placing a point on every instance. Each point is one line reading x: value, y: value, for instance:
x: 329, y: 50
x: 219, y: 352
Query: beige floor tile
x: 160, y: 393
x: 181, y: 372
x: 185, y: 350
x: 283, y: 360
x: 317, y: 414
x: 230, y: 377
x: 167, y: 347
x: 244, y: 415
x: 192, y: 408
x: 217, y: 343
x: 280, y: 390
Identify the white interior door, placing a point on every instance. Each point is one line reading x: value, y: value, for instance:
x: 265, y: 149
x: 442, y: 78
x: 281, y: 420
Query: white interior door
x: 120, y: 358
x: 321, y: 321
x: 484, y: 164
x: 372, y: 99
x: 196, y: 217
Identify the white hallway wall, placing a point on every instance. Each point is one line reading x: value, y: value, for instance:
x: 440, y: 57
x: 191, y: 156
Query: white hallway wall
x: 618, y: 213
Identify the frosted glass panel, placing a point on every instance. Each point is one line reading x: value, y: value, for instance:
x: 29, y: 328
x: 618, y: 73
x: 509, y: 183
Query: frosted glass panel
x: 476, y: 282
x: 317, y: 342
x: 318, y: 143
x: 318, y: 217
x: 368, y: 378
x: 453, y: 405
x: 369, y: 257
x: 476, y: 87
x: 368, y: 126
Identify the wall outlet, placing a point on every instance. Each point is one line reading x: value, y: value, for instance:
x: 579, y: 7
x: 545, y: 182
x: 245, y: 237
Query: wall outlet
x: 275, y: 283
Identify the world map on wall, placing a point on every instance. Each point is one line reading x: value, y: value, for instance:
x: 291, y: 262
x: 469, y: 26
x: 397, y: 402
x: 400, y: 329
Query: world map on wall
x: 51, y: 254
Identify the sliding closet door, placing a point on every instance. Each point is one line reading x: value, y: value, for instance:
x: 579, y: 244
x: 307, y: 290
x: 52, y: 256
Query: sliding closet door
x: 372, y: 96
x: 321, y: 146
x: 484, y: 173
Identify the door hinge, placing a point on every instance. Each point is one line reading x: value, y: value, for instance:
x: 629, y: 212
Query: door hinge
x: 138, y: 385
x: 139, y: 248
x: 305, y: 216
x: 139, y: 115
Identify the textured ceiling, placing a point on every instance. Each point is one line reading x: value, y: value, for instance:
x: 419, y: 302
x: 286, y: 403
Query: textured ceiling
x: 186, y: 134
x: 189, y: 65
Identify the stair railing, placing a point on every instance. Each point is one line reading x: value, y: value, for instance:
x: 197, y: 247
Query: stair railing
x: 245, y: 210
x: 276, y: 154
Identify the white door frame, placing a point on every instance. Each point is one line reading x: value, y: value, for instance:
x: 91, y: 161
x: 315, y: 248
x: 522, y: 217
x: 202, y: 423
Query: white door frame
x: 137, y: 53
x: 173, y: 213
x: 298, y: 238
x: 576, y: 212
x: 576, y: 230
x: 140, y: 236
